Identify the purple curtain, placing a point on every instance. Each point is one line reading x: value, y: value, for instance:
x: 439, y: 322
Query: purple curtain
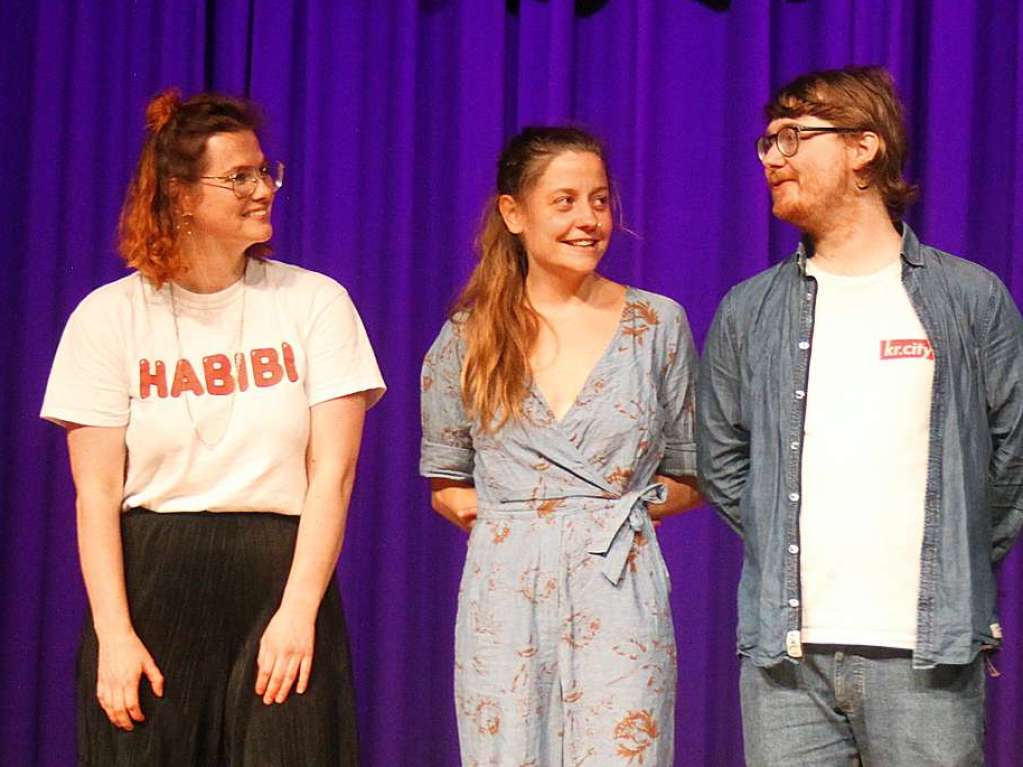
x: 390, y: 115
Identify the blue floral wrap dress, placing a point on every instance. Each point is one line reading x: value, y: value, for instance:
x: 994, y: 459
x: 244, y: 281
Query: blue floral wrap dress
x: 565, y: 646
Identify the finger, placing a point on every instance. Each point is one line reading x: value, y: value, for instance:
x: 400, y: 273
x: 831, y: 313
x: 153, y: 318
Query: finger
x: 103, y: 698
x: 131, y: 703
x: 265, y: 665
x: 289, y: 679
x: 276, y: 677
x: 152, y: 672
x: 118, y: 715
x: 304, y: 669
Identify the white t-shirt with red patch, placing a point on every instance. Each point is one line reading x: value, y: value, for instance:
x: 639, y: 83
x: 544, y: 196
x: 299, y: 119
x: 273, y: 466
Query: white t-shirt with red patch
x: 864, y: 462
x: 215, y: 388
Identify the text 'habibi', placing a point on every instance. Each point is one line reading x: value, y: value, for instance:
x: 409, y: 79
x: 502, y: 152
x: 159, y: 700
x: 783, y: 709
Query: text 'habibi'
x: 220, y: 374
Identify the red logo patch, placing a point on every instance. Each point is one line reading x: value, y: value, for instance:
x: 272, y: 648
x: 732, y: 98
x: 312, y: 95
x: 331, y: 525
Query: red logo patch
x: 906, y: 348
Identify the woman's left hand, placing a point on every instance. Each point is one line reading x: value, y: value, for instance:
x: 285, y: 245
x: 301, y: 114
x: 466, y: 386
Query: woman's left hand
x: 285, y: 654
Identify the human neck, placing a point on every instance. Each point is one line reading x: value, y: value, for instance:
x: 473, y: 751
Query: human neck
x: 857, y: 240
x: 211, y: 269
x: 558, y: 289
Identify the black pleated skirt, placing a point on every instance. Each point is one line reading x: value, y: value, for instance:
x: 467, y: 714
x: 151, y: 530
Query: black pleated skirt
x: 202, y: 588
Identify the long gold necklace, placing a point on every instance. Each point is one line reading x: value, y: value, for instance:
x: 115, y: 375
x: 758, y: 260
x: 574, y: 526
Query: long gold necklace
x: 181, y: 356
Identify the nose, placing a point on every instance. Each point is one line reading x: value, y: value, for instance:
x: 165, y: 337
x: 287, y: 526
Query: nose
x: 773, y: 158
x: 265, y: 188
x: 587, y: 220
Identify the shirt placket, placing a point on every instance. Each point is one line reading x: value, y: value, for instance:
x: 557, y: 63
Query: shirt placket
x: 794, y: 463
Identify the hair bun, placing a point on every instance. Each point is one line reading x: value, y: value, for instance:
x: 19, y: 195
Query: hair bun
x: 161, y: 109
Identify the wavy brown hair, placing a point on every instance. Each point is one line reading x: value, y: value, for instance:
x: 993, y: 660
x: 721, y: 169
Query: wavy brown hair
x: 148, y: 233
x: 862, y: 98
x: 497, y: 321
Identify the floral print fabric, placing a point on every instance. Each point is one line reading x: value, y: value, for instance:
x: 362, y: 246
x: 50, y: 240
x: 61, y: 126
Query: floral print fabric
x: 565, y: 649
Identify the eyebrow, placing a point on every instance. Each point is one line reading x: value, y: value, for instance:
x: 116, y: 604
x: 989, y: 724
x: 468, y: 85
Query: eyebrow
x: 791, y: 121
x: 237, y: 168
x: 569, y: 190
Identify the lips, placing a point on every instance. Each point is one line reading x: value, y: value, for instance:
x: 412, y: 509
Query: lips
x: 258, y: 213
x: 581, y: 243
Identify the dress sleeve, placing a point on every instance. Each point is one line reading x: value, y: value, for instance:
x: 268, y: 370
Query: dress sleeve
x: 341, y: 359
x: 678, y: 396
x: 446, y: 449
x: 88, y: 383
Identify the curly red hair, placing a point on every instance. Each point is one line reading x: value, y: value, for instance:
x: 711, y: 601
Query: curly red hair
x: 175, y: 148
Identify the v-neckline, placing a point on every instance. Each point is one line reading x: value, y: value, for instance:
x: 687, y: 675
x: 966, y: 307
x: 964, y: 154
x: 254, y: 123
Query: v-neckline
x: 612, y: 342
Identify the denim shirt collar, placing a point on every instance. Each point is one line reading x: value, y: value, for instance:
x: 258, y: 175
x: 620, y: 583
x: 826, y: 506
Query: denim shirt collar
x: 910, y: 249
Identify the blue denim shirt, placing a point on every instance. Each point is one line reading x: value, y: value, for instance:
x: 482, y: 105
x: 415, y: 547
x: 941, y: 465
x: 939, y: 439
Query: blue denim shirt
x: 751, y: 405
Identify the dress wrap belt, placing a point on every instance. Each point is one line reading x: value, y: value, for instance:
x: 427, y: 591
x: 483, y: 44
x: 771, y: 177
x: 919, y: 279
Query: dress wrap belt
x: 628, y: 517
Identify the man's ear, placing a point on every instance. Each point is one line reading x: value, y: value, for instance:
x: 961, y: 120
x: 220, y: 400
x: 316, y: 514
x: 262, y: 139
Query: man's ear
x: 865, y: 148
x: 511, y: 212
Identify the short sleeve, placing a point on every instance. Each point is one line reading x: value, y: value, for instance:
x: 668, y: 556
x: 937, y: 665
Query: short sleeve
x: 340, y: 358
x: 678, y: 399
x: 88, y: 382
x: 446, y: 449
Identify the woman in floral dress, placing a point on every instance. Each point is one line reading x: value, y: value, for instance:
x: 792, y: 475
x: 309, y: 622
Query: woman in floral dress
x: 557, y: 421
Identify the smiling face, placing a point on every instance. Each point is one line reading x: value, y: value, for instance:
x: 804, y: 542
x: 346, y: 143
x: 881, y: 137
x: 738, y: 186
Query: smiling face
x: 816, y: 183
x: 564, y: 219
x: 227, y: 222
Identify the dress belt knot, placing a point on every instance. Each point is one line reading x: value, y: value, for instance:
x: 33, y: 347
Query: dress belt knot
x: 629, y: 517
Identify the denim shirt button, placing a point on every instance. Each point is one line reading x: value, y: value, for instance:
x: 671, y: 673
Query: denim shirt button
x: 793, y: 548
x: 793, y: 603
x: 794, y: 446
x: 793, y: 497
x: 804, y: 345
x: 800, y: 394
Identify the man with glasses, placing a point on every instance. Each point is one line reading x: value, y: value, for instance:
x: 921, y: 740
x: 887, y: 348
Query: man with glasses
x: 860, y: 424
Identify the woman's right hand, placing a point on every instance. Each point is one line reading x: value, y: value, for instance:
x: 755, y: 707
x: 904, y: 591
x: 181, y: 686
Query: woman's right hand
x: 123, y: 659
x: 455, y: 501
x: 464, y: 517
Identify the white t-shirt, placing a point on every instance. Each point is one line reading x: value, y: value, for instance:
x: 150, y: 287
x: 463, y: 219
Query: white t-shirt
x: 216, y: 404
x: 864, y: 469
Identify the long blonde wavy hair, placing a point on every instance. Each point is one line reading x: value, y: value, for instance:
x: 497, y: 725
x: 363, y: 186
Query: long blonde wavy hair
x: 498, y: 323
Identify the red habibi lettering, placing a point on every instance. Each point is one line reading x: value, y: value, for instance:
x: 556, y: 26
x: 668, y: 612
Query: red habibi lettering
x: 243, y: 372
x: 217, y: 370
x: 148, y: 378
x: 266, y: 368
x: 289, y: 361
x: 185, y: 379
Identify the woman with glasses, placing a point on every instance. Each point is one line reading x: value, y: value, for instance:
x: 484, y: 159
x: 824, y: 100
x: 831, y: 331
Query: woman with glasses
x: 557, y: 414
x: 214, y: 403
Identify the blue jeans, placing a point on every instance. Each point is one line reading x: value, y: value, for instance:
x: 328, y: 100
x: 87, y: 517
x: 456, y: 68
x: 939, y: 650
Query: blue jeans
x: 847, y: 706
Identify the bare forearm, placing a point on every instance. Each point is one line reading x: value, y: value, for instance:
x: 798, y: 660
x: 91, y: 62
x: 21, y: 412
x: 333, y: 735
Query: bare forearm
x: 318, y: 546
x: 683, y: 495
x: 97, y: 456
x: 455, y: 501
x: 102, y: 560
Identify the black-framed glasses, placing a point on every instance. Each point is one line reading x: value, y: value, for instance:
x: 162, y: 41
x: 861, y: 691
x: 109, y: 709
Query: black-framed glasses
x: 787, y: 139
x: 243, y: 182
